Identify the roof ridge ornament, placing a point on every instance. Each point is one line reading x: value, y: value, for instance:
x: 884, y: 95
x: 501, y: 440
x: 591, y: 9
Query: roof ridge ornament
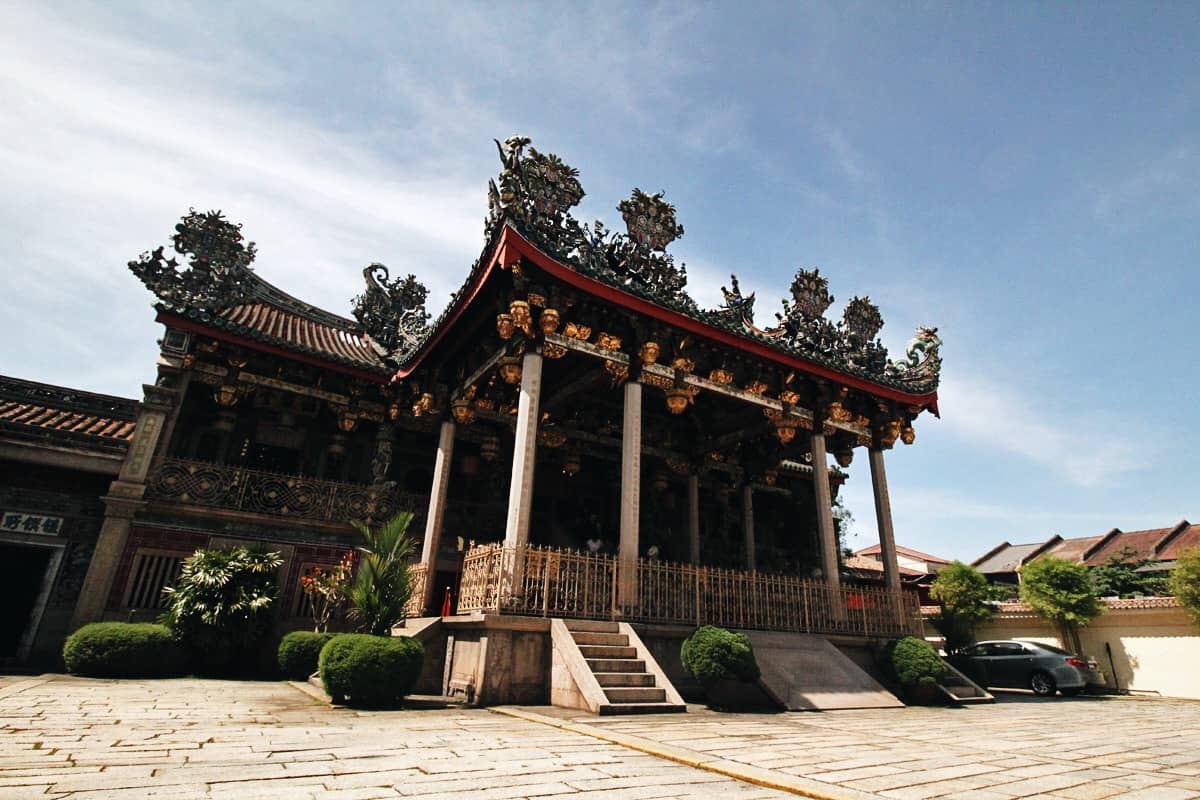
x: 219, y: 264
x: 923, y: 368
x: 736, y: 308
x: 392, y: 312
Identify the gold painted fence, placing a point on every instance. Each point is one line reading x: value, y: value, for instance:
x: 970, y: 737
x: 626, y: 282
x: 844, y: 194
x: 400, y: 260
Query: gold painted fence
x: 542, y: 581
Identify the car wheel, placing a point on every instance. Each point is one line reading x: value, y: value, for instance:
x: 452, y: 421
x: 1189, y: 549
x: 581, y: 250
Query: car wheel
x: 1042, y: 684
x: 1072, y: 692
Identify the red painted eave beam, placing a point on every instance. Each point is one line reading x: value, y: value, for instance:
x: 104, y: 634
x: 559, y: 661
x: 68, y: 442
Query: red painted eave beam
x: 513, y: 246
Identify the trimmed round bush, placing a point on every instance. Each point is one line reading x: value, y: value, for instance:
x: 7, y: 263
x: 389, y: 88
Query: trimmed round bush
x: 123, y: 650
x: 298, y: 653
x: 370, y: 670
x: 712, y: 654
x: 916, y: 662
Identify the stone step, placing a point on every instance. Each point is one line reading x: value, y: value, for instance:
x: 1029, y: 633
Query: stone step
x: 642, y: 708
x: 616, y: 665
x: 592, y: 625
x: 624, y: 679
x: 607, y: 651
x: 635, y: 694
x: 607, y: 639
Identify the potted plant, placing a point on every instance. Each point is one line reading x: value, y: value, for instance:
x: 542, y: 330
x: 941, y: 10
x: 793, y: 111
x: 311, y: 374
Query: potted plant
x: 918, y: 668
x: 723, y: 661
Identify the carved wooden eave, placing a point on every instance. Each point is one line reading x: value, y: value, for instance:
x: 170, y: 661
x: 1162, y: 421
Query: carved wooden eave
x: 509, y: 247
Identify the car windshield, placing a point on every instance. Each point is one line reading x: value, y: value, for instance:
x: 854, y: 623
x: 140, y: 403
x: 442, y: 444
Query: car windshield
x: 1051, y: 648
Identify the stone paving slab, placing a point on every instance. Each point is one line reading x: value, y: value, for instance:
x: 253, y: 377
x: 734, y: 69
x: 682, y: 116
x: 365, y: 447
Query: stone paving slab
x: 63, y: 737
x: 1021, y: 747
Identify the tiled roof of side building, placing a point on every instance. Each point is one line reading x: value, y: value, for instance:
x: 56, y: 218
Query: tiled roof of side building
x: 1139, y: 543
x: 43, y: 409
x: 1186, y: 539
x: 904, y: 551
x: 1073, y: 549
x: 1007, y: 559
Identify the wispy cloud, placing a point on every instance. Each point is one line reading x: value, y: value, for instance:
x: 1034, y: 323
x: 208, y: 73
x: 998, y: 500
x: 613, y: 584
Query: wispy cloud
x: 1083, y: 450
x: 1162, y: 185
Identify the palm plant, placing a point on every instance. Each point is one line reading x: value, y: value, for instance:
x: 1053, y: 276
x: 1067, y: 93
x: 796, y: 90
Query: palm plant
x: 382, y: 583
x: 221, y: 606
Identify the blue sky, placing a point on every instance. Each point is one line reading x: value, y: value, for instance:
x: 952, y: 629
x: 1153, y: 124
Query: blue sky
x: 1024, y: 176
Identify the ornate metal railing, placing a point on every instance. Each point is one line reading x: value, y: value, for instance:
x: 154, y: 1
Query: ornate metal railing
x: 415, y: 607
x: 240, y: 489
x: 550, y: 582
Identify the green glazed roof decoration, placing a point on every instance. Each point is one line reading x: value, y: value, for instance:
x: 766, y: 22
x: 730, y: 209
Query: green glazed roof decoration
x: 218, y: 274
x: 392, y: 312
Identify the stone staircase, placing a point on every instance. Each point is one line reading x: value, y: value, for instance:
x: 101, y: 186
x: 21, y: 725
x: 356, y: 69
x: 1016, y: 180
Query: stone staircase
x: 610, y: 670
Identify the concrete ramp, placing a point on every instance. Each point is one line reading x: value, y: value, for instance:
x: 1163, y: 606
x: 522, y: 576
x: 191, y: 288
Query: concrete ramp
x: 803, y: 672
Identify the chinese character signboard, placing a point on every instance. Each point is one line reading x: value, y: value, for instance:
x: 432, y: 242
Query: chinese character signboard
x: 21, y: 522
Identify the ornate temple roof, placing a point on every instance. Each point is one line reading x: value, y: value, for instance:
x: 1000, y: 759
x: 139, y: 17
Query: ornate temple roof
x: 529, y: 217
x: 39, y: 412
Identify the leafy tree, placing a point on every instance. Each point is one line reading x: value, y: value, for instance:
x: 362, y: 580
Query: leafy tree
x: 382, y: 583
x: 1185, y: 581
x: 963, y: 594
x: 1061, y: 592
x: 220, y: 607
x: 1119, y: 576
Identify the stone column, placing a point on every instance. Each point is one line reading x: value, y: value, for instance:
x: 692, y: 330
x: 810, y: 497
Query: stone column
x: 829, y: 554
x: 631, y: 484
x: 437, y: 508
x: 693, y: 491
x: 748, y: 527
x: 520, y: 490
x: 123, y: 501
x: 883, y: 517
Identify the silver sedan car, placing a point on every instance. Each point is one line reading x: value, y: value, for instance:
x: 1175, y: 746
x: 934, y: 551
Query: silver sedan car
x: 1018, y: 664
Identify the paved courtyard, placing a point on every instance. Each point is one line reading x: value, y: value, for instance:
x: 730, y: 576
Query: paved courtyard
x: 68, y: 737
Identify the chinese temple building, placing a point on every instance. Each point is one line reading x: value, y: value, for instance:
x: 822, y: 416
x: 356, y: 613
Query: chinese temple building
x: 577, y: 437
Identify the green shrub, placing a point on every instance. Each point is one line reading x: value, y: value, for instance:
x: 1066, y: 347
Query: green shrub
x: 370, y: 670
x: 298, y: 653
x: 220, y: 609
x: 123, y: 650
x: 915, y: 661
x: 713, y: 653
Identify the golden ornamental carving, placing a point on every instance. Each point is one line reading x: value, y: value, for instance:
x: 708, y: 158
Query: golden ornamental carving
x: 554, y: 351
x: 619, y: 372
x: 839, y: 413
x: 770, y: 476
x: 607, y: 341
x: 505, y: 326
x: 648, y: 352
x: 889, y: 433
x: 536, y: 299
x: 657, y: 381
x: 679, y: 398
x: 862, y: 422
x: 907, y: 434
x: 485, y: 404
x: 227, y: 395
x: 844, y: 457
x: 510, y: 369
x: 423, y: 405
x: 721, y: 376
x: 393, y: 410
x: 789, y: 397
x: 685, y: 365
x: 189, y: 360
x: 549, y: 320
x: 462, y: 411
x: 519, y: 309
x: 574, y: 330
x: 756, y: 387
